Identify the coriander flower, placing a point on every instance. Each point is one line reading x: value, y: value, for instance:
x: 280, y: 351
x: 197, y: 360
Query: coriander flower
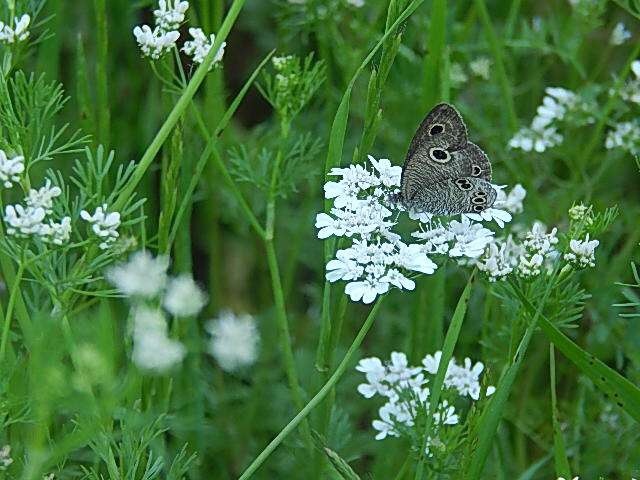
x: 457, y: 76
x: 582, y: 252
x: 43, y: 197
x: 23, y: 221
x: 619, y: 34
x: 626, y: 136
x: 581, y: 213
x: 537, y: 240
x: 17, y: 34
x: 104, y: 225
x: 234, y: 340
x: 142, y: 276
x: 5, y: 457
x: 184, y: 298
x: 199, y: 47
x: 406, y: 390
x: 155, y: 43
x: 500, y: 259
x: 170, y: 14
x: 481, y: 67
x: 153, y: 350
x: 511, y: 202
x: 56, y: 233
x: 11, y: 169
x: 377, y: 260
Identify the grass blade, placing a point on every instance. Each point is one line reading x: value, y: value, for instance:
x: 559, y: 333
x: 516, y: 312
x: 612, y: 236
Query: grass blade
x: 559, y: 452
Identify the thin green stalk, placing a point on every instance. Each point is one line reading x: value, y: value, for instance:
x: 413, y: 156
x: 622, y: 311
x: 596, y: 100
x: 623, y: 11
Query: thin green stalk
x: 498, y: 57
x: 559, y: 452
x: 102, y: 86
x: 283, y: 328
x: 9, y: 313
x: 490, y: 418
x: 450, y: 341
x: 318, y: 397
x: 180, y: 107
x: 211, y: 152
x: 436, y: 41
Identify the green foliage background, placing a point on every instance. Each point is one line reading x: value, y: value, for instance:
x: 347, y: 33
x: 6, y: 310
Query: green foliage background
x: 72, y: 403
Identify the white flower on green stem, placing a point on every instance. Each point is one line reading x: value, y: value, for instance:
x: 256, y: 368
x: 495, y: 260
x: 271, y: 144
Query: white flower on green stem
x: 184, y: 298
x: 56, y: 233
x: 11, y: 169
x: 18, y: 34
x: 142, y: 276
x: 104, y: 224
x: 43, y: 197
x: 500, y: 258
x: 234, y: 340
x: 470, y: 239
x: 619, y: 34
x: 170, y: 14
x: 200, y: 45
x: 23, y: 221
x: 155, y: 43
x: 582, y: 252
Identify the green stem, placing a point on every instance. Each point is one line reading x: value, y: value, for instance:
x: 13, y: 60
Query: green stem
x: 318, y: 397
x: 560, y: 454
x: 102, y: 90
x: 498, y: 57
x: 450, y: 341
x: 180, y: 107
x: 10, y: 306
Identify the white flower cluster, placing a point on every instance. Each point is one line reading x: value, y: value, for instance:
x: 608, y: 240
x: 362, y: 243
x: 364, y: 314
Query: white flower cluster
x: 32, y: 220
x: 17, y: 34
x: 538, y: 247
x: 377, y: 258
x: 535, y: 251
x: 481, y: 67
x: 630, y: 92
x: 11, y: 169
x: 543, y: 133
x: 619, y: 34
x: 144, y: 279
x: 5, y: 457
x: 153, y: 349
x: 582, y: 252
x: 406, y: 390
x: 155, y: 42
x: 234, y: 340
x: 170, y: 14
x: 200, y: 46
x: 104, y: 224
x: 625, y: 135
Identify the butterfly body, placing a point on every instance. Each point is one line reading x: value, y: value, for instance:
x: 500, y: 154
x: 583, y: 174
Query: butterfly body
x: 444, y: 173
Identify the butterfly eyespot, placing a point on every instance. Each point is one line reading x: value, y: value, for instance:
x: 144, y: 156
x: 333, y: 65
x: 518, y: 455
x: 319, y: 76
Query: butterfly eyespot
x: 476, y: 170
x: 436, y: 129
x: 480, y: 193
x: 478, y: 208
x: 478, y: 200
x: 439, y: 155
x: 463, y: 184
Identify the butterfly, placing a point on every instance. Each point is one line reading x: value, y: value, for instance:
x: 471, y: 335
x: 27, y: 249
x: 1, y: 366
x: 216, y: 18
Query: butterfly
x: 444, y: 173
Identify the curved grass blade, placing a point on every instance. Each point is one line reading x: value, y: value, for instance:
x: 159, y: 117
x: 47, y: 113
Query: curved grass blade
x: 559, y: 452
x: 450, y: 341
x: 620, y: 390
